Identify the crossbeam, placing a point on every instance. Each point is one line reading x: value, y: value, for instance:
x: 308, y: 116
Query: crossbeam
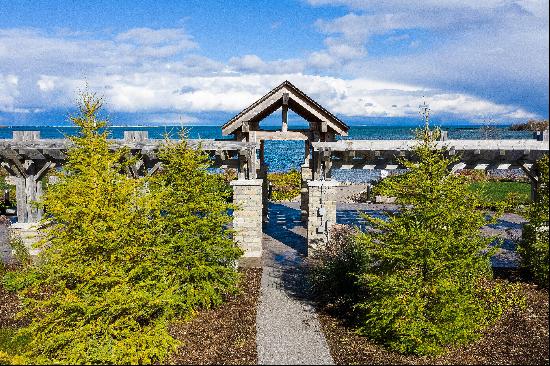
x: 504, y: 154
x: 27, y: 158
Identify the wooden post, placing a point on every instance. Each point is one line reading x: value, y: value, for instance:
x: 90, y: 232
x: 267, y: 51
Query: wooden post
x: 241, y: 173
x: 533, y: 177
x: 285, y: 112
x: 28, y: 188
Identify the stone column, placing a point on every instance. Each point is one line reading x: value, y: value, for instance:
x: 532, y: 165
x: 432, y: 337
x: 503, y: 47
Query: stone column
x: 262, y: 174
x: 321, y: 213
x: 247, y: 218
x: 307, y: 175
x: 29, y: 233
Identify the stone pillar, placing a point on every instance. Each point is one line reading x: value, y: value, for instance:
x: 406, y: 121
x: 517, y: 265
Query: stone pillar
x: 262, y: 174
x: 29, y: 234
x: 321, y: 213
x: 307, y: 175
x: 247, y: 218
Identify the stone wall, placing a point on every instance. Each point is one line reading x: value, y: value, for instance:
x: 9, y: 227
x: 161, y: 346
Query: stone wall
x: 247, y: 219
x: 321, y: 212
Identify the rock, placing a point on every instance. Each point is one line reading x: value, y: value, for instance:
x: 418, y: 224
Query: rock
x: 384, y: 199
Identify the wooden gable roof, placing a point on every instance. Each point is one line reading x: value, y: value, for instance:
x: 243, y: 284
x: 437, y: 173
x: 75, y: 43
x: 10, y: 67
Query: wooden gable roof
x: 298, y: 102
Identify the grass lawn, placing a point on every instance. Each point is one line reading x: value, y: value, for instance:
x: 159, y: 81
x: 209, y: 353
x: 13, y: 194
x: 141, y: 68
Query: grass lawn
x: 500, y: 191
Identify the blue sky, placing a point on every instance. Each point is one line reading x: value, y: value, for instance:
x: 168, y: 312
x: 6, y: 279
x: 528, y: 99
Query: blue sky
x: 200, y: 62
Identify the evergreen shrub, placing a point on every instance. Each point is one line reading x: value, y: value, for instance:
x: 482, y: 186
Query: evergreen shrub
x: 123, y: 257
x: 335, y: 268
x: 534, y: 244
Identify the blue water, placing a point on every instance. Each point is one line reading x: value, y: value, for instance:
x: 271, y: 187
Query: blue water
x: 285, y: 155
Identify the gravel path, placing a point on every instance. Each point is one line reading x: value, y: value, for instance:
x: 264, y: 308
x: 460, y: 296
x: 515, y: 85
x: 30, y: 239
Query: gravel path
x: 288, y: 330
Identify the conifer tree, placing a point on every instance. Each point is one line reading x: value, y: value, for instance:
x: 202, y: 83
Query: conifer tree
x: 534, y: 244
x: 122, y: 257
x: 427, y: 262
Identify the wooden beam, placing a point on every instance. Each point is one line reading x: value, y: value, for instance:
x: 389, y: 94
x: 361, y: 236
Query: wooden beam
x: 282, y: 135
x: 154, y: 169
x: 43, y: 170
x: 13, y: 160
x: 323, y: 127
x: 457, y: 166
x: 284, y: 127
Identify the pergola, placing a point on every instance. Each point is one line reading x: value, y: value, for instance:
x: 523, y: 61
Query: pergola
x: 27, y: 157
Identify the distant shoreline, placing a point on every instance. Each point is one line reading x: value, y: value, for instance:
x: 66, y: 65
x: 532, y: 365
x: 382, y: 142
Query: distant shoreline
x: 457, y: 126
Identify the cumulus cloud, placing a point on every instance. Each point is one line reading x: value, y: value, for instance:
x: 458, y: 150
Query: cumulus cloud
x: 157, y: 72
x: 9, y: 91
x: 385, y: 5
x: 156, y: 91
x: 496, y: 48
x: 253, y: 63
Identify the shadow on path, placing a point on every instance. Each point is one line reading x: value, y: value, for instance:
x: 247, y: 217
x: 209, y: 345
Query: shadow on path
x: 284, y: 225
x: 288, y: 330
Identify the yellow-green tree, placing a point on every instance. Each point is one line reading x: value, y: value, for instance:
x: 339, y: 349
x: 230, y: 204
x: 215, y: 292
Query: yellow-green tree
x: 123, y: 257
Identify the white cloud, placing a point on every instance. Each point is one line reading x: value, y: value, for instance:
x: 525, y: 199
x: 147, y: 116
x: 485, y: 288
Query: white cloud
x: 384, y: 5
x: 34, y: 49
x: 495, y: 49
x: 150, y: 71
x: 46, y: 83
x: 148, y: 36
x: 9, y: 92
x: 156, y: 91
x: 254, y: 64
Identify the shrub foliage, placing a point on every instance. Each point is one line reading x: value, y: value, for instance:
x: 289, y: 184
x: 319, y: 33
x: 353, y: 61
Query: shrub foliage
x: 122, y: 257
x: 285, y: 186
x: 534, y: 245
x: 335, y: 268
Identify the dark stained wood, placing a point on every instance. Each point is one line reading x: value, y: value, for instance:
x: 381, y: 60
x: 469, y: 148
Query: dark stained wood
x: 279, y: 97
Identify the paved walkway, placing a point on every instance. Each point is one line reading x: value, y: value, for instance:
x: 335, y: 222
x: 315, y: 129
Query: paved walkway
x: 288, y: 331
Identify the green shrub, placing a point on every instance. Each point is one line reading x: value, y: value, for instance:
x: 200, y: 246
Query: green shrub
x: 285, y: 186
x: 510, y: 196
x: 123, y: 257
x: 334, y: 270
x: 10, y: 345
x: 428, y: 264
x: 534, y: 244
x: 5, y: 186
